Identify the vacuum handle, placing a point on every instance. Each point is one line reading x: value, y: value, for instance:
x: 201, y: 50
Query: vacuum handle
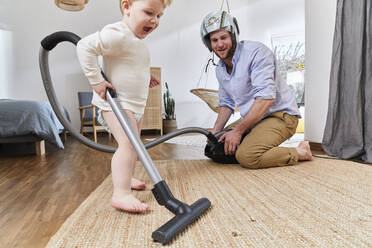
x: 111, y: 92
x: 51, y: 41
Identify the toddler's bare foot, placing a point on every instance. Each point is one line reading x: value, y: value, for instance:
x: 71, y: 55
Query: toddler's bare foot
x: 129, y: 203
x: 304, y: 152
x: 137, y: 184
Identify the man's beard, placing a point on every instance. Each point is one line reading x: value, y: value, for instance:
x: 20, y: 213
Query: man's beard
x: 229, y: 54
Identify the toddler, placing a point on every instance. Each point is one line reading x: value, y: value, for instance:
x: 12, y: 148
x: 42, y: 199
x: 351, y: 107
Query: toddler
x: 126, y: 61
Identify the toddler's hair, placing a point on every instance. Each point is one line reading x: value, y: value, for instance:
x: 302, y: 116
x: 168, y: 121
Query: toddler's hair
x: 166, y: 3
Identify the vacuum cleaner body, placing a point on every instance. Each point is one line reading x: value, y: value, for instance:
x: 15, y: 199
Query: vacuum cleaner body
x: 216, y: 150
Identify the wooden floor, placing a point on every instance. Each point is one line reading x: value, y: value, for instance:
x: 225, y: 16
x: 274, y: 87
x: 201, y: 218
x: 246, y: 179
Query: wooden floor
x: 38, y: 193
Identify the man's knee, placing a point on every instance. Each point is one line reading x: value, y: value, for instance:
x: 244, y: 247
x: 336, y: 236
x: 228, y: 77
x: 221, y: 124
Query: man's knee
x: 247, y: 159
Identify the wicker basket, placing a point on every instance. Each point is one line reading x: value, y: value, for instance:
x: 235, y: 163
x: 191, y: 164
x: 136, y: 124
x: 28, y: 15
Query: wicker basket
x: 71, y: 5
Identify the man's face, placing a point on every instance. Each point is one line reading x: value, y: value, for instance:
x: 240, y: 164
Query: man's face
x: 221, y: 44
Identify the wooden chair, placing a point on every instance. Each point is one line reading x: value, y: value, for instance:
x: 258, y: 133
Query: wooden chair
x: 89, y: 114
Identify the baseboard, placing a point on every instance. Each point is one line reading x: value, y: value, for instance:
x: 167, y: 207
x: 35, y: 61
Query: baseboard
x: 316, y: 146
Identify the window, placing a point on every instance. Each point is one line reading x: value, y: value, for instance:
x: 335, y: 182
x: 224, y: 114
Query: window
x: 289, y: 51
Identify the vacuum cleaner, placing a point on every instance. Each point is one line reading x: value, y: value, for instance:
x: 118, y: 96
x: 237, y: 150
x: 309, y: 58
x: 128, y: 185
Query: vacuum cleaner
x: 184, y: 214
x: 216, y: 150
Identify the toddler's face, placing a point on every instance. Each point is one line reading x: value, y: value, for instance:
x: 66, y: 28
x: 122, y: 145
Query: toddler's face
x: 143, y: 16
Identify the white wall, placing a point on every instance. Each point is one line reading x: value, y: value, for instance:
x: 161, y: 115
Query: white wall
x: 175, y: 46
x: 6, y: 61
x: 320, y: 22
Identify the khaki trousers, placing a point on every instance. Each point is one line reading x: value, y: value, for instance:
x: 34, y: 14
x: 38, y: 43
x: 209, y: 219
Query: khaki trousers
x: 259, y: 148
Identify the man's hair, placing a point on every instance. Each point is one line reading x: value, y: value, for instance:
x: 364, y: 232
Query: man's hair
x: 166, y: 3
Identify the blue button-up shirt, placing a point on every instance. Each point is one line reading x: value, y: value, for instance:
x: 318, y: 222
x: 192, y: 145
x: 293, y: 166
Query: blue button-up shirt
x: 254, y: 75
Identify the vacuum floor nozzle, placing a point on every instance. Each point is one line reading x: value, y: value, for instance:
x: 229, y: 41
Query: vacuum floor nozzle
x: 181, y: 221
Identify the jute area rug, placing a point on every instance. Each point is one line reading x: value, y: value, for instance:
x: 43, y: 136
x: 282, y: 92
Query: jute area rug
x: 322, y: 203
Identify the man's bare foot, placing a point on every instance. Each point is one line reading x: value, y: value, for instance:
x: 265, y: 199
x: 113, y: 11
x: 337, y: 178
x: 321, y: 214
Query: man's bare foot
x: 137, y: 184
x: 129, y: 203
x: 304, y: 152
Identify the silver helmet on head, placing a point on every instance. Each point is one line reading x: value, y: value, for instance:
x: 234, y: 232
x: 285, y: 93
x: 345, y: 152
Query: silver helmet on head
x: 218, y: 20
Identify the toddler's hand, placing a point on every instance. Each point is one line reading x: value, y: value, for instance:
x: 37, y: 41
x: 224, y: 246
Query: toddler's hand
x: 100, y: 88
x: 154, y: 81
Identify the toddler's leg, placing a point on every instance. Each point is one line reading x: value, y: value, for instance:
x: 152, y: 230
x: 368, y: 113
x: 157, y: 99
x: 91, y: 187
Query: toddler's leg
x: 122, y: 164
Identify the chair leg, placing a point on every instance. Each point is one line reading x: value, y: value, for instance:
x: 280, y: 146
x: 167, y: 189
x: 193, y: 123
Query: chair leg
x: 109, y: 136
x: 94, y: 122
x: 82, y: 121
x: 95, y: 134
x: 64, y: 136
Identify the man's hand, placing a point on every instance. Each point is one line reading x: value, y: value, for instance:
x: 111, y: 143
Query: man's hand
x: 100, y: 88
x: 154, y: 81
x: 232, y: 140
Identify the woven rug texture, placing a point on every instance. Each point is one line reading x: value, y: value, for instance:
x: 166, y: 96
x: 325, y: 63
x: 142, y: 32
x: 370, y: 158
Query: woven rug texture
x: 320, y: 203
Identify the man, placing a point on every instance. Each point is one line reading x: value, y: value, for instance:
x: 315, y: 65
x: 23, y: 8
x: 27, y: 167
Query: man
x: 248, y: 78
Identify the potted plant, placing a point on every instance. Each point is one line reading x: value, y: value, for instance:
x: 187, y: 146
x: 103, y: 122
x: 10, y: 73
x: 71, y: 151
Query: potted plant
x: 169, y: 121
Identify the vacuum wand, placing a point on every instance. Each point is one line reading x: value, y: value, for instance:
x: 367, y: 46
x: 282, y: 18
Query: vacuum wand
x: 134, y: 139
x: 185, y: 214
